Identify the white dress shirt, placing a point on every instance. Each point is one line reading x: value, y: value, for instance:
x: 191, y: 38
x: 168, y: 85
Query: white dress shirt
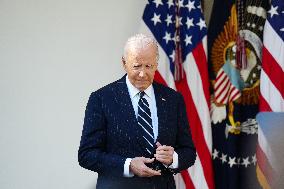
x: 150, y: 97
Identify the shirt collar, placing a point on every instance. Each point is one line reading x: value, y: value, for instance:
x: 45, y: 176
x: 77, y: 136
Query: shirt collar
x: 133, y: 91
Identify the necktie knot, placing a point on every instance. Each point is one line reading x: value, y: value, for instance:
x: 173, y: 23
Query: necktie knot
x: 142, y: 93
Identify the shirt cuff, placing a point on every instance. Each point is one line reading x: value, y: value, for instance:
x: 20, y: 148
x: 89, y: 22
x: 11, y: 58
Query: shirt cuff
x: 126, y: 172
x: 174, y: 165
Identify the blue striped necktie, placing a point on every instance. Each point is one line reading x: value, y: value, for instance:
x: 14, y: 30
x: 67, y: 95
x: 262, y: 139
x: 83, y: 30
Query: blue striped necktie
x: 145, y: 122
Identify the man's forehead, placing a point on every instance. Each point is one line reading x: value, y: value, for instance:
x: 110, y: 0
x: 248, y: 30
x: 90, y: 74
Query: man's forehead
x: 141, y: 56
x: 138, y: 51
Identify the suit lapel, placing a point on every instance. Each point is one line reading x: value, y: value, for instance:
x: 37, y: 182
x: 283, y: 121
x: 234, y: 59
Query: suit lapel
x: 128, y: 114
x: 161, y: 112
x: 127, y: 111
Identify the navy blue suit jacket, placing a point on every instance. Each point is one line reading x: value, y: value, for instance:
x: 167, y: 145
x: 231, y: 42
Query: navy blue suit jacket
x: 110, y: 135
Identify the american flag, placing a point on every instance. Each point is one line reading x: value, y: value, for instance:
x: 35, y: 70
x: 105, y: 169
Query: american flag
x: 271, y: 82
x: 228, y: 86
x: 180, y: 30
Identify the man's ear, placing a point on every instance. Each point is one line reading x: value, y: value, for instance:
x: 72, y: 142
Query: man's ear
x: 123, y: 60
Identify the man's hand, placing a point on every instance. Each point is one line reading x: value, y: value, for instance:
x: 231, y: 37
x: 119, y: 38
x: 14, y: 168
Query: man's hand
x: 164, y: 154
x: 138, y: 167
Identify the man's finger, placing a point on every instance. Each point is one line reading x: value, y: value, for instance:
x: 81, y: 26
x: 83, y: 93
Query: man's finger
x: 148, y: 160
x: 158, y: 144
x: 163, y: 152
x: 150, y: 172
x: 166, y: 157
x: 164, y: 147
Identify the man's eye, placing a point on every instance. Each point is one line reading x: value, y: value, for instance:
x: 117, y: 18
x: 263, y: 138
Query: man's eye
x: 136, y: 66
x: 149, y: 66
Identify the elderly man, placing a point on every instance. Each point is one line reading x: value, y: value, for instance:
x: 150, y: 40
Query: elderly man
x: 136, y: 133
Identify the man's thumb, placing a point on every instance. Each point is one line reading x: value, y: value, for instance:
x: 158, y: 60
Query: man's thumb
x: 158, y: 144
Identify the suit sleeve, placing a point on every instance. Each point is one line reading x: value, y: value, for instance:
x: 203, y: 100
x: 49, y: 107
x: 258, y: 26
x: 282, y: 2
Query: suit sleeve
x: 184, y: 146
x: 92, y: 152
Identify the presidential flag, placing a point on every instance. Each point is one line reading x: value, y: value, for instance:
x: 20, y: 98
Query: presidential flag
x: 180, y: 30
x: 271, y: 83
x: 234, y: 51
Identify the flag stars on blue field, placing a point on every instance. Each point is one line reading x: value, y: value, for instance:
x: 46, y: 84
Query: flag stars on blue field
x: 232, y: 161
x: 276, y: 17
x: 273, y: 11
x: 190, y: 5
x: 246, y: 162
x: 254, y: 160
x: 215, y: 154
x: 172, y: 56
x: 201, y: 24
x: 188, y: 40
x: 282, y: 29
x: 169, y: 19
x: 180, y: 3
x: 167, y: 37
x: 170, y: 3
x: 156, y: 19
x: 158, y: 2
x: 179, y: 21
x: 160, y: 17
x: 224, y: 158
x: 189, y: 23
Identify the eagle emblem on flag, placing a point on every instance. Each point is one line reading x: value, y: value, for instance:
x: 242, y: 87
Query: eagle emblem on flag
x: 236, y: 62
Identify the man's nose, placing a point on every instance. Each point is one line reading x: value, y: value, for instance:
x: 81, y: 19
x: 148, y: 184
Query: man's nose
x: 141, y: 73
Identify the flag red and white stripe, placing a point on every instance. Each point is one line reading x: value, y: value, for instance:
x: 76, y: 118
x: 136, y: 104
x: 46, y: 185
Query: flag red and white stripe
x: 224, y: 90
x: 195, y: 89
x: 271, y: 86
x: 272, y: 75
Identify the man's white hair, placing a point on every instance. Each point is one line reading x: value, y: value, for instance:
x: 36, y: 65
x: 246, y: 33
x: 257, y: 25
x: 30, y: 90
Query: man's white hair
x: 140, y: 41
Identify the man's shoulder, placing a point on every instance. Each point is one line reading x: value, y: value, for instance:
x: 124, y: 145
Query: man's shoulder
x: 108, y: 89
x: 165, y: 89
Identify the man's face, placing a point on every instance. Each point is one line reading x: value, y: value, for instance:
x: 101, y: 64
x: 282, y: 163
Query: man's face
x: 140, y: 65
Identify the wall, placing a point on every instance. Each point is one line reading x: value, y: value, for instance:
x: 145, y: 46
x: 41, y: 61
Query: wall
x: 52, y: 55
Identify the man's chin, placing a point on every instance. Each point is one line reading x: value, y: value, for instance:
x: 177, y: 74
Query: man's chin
x: 141, y: 87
